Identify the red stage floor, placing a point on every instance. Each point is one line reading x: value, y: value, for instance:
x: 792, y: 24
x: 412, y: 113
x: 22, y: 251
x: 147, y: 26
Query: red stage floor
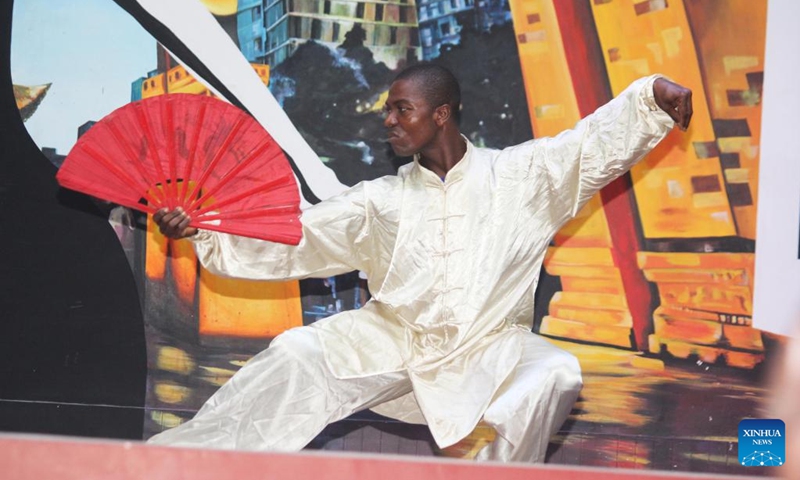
x: 24, y: 457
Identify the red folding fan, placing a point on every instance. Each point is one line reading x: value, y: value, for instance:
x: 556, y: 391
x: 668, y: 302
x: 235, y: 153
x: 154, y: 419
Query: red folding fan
x: 194, y: 152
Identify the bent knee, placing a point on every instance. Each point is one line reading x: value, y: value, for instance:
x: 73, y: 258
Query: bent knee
x: 300, y: 341
x: 567, y: 373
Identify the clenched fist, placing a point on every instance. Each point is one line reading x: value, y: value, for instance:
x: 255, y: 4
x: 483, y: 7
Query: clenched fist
x: 174, y: 224
x: 674, y: 99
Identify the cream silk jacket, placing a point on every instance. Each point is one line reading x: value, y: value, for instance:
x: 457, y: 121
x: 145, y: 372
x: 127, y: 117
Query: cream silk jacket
x: 453, y: 264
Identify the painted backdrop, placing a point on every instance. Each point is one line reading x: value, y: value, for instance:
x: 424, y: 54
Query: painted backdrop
x: 651, y: 285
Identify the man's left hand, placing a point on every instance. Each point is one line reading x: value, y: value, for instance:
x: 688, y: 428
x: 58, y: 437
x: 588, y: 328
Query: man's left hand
x: 675, y: 100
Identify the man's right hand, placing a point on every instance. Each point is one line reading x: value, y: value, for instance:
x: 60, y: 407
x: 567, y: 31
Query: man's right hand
x: 174, y: 224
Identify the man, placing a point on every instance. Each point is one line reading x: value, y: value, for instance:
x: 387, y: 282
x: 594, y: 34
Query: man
x: 452, y: 247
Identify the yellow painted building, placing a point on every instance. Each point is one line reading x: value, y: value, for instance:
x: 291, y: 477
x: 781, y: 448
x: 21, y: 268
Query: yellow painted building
x: 178, y: 80
x: 733, y: 72
x: 695, y: 186
x: 583, y: 254
x: 681, y: 188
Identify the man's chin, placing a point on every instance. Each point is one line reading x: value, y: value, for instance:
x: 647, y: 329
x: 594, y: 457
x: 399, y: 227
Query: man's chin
x: 402, y: 152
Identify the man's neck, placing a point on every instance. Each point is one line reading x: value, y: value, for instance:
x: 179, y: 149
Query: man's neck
x: 441, y: 158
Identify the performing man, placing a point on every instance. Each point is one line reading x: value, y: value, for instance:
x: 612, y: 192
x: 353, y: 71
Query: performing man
x: 452, y: 247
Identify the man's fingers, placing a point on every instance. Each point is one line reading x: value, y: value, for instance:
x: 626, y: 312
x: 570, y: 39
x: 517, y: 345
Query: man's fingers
x: 674, y: 99
x: 179, y: 221
x: 686, y: 116
x: 166, y: 221
x: 184, y: 223
x: 674, y: 110
x: 159, y: 215
x: 173, y: 223
x: 681, y: 112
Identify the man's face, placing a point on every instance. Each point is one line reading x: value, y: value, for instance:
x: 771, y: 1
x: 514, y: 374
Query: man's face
x: 409, y: 119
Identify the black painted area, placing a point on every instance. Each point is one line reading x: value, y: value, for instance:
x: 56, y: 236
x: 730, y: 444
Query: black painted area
x: 701, y: 245
x: 98, y: 421
x: 70, y: 320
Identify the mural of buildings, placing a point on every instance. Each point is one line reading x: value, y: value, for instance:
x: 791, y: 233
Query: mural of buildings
x: 85, y: 127
x: 683, y: 189
x: 178, y: 80
x: 390, y: 27
x: 250, y: 29
x: 491, y: 12
x: 441, y: 21
x: 689, y: 224
x: 54, y: 157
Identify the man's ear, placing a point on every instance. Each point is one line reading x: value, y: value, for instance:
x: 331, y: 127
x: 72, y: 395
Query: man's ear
x: 442, y: 114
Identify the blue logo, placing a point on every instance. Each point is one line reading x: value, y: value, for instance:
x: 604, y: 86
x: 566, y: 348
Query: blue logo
x: 762, y: 443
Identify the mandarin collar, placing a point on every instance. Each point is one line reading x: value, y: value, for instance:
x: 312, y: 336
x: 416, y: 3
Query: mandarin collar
x: 454, y: 175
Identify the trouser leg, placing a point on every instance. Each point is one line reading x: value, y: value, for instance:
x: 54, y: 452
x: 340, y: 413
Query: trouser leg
x: 281, y: 399
x: 532, y: 403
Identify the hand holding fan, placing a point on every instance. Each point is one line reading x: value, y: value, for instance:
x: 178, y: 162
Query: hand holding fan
x: 194, y: 152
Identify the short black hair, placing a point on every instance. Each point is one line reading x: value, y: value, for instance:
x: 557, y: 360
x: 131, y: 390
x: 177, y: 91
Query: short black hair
x: 439, y: 85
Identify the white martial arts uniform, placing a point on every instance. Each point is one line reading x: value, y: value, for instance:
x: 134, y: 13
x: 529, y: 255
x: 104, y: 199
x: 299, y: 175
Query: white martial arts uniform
x: 453, y: 265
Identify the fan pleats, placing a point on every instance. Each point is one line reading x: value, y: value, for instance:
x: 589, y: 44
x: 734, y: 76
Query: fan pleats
x: 194, y: 152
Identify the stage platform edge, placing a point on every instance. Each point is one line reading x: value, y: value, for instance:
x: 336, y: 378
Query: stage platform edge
x: 37, y: 457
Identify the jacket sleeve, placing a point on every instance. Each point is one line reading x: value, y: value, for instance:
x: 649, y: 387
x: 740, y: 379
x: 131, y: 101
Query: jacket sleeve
x: 577, y: 163
x: 334, y: 242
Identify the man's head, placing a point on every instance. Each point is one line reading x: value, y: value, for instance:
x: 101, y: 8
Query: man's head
x: 437, y: 84
x: 423, y: 103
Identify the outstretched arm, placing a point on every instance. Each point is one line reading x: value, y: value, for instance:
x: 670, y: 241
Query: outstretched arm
x: 577, y: 163
x: 334, y: 232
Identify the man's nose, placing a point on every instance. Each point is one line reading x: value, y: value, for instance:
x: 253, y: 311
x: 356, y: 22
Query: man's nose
x: 390, y: 120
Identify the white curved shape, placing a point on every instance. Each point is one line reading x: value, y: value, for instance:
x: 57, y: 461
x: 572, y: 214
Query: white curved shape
x: 194, y: 25
x: 776, y: 303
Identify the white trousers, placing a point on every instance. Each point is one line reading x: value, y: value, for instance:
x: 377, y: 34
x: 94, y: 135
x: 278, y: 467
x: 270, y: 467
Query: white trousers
x: 284, y: 396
